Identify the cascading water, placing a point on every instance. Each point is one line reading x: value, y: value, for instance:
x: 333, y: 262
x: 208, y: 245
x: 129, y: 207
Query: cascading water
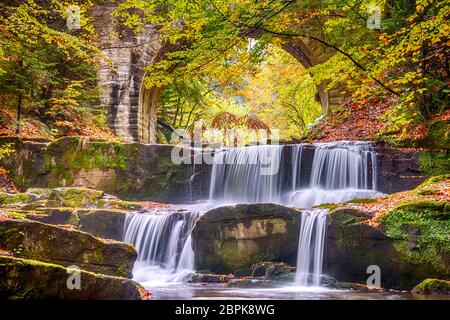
x: 163, y: 242
x: 342, y: 165
x: 247, y: 174
x: 311, y: 247
x: 297, y: 151
x: 340, y: 171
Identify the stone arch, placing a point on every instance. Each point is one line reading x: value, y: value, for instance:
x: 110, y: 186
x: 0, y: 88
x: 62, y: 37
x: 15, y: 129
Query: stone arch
x: 132, y: 108
x: 308, y: 53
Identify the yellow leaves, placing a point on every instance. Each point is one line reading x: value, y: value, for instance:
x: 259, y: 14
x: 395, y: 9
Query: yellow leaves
x: 420, y: 9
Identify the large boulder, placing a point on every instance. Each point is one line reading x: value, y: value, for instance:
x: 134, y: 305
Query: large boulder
x: 31, y: 279
x: 232, y: 237
x: 432, y: 286
x: 104, y: 223
x: 48, y: 243
x: 407, y: 246
x: 129, y: 170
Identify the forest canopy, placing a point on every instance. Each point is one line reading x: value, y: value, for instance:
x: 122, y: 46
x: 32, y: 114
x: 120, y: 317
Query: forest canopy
x: 222, y: 55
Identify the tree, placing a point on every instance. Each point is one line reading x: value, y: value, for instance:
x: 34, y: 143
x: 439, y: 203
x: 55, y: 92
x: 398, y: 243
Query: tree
x: 42, y: 65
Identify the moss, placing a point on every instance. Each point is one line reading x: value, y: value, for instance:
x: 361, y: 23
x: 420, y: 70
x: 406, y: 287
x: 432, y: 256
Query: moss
x: 75, y: 197
x: 7, y: 198
x: 434, y: 163
x: 433, y: 286
x: 433, y: 180
x: 438, y: 135
x: 424, y: 207
x: 425, y: 192
x: 121, y: 204
x: 17, y: 215
x: 67, y: 154
x: 422, y: 232
x: 330, y: 206
x: 362, y: 201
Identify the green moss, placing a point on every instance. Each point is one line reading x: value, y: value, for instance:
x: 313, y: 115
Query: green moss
x: 433, y: 286
x: 17, y: 215
x: 331, y: 206
x: 424, y: 207
x: 438, y: 135
x: 7, y: 198
x: 433, y: 180
x: 422, y: 232
x: 75, y: 153
x: 75, y: 197
x: 362, y: 201
x: 434, y: 163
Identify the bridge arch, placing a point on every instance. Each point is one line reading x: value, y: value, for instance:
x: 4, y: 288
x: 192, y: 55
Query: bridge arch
x: 132, y: 107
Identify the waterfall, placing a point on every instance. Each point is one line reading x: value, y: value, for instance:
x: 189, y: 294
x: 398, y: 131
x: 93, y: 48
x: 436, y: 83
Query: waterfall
x: 163, y: 242
x: 297, y: 151
x: 343, y: 164
x: 311, y: 247
x: 247, y: 174
x: 340, y: 171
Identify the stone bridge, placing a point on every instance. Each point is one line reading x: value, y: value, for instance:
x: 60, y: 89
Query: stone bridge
x: 132, y: 107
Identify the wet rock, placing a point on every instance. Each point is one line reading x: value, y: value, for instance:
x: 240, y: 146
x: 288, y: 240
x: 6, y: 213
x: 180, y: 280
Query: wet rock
x: 432, y: 286
x: 210, y: 278
x: 54, y: 215
x: 403, y: 256
x: 271, y: 269
x: 252, y: 283
x: 233, y: 237
x: 31, y: 279
x: 75, y: 197
x: 243, y: 272
x: 48, y: 243
x: 105, y: 223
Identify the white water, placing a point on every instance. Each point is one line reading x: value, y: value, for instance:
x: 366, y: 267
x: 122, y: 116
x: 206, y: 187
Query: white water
x: 343, y: 164
x: 247, y: 175
x: 340, y: 171
x: 311, y: 247
x: 164, y: 245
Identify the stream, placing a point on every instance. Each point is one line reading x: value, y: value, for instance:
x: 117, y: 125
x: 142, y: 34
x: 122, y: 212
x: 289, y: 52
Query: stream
x: 340, y: 171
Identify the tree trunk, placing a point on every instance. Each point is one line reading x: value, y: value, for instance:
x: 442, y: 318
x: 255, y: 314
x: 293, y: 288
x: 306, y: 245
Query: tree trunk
x: 19, y: 112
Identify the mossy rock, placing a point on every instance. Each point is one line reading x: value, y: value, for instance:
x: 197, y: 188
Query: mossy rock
x: 252, y: 283
x: 39, y: 193
x: 434, y: 180
x: 31, y: 279
x: 63, y: 215
x: 48, y: 243
x: 408, y: 247
x: 435, y: 163
x: 232, y: 237
x: 105, y: 223
x: 361, y: 201
x: 421, y: 234
x: 432, y: 286
x: 75, y: 197
x: 12, y: 198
